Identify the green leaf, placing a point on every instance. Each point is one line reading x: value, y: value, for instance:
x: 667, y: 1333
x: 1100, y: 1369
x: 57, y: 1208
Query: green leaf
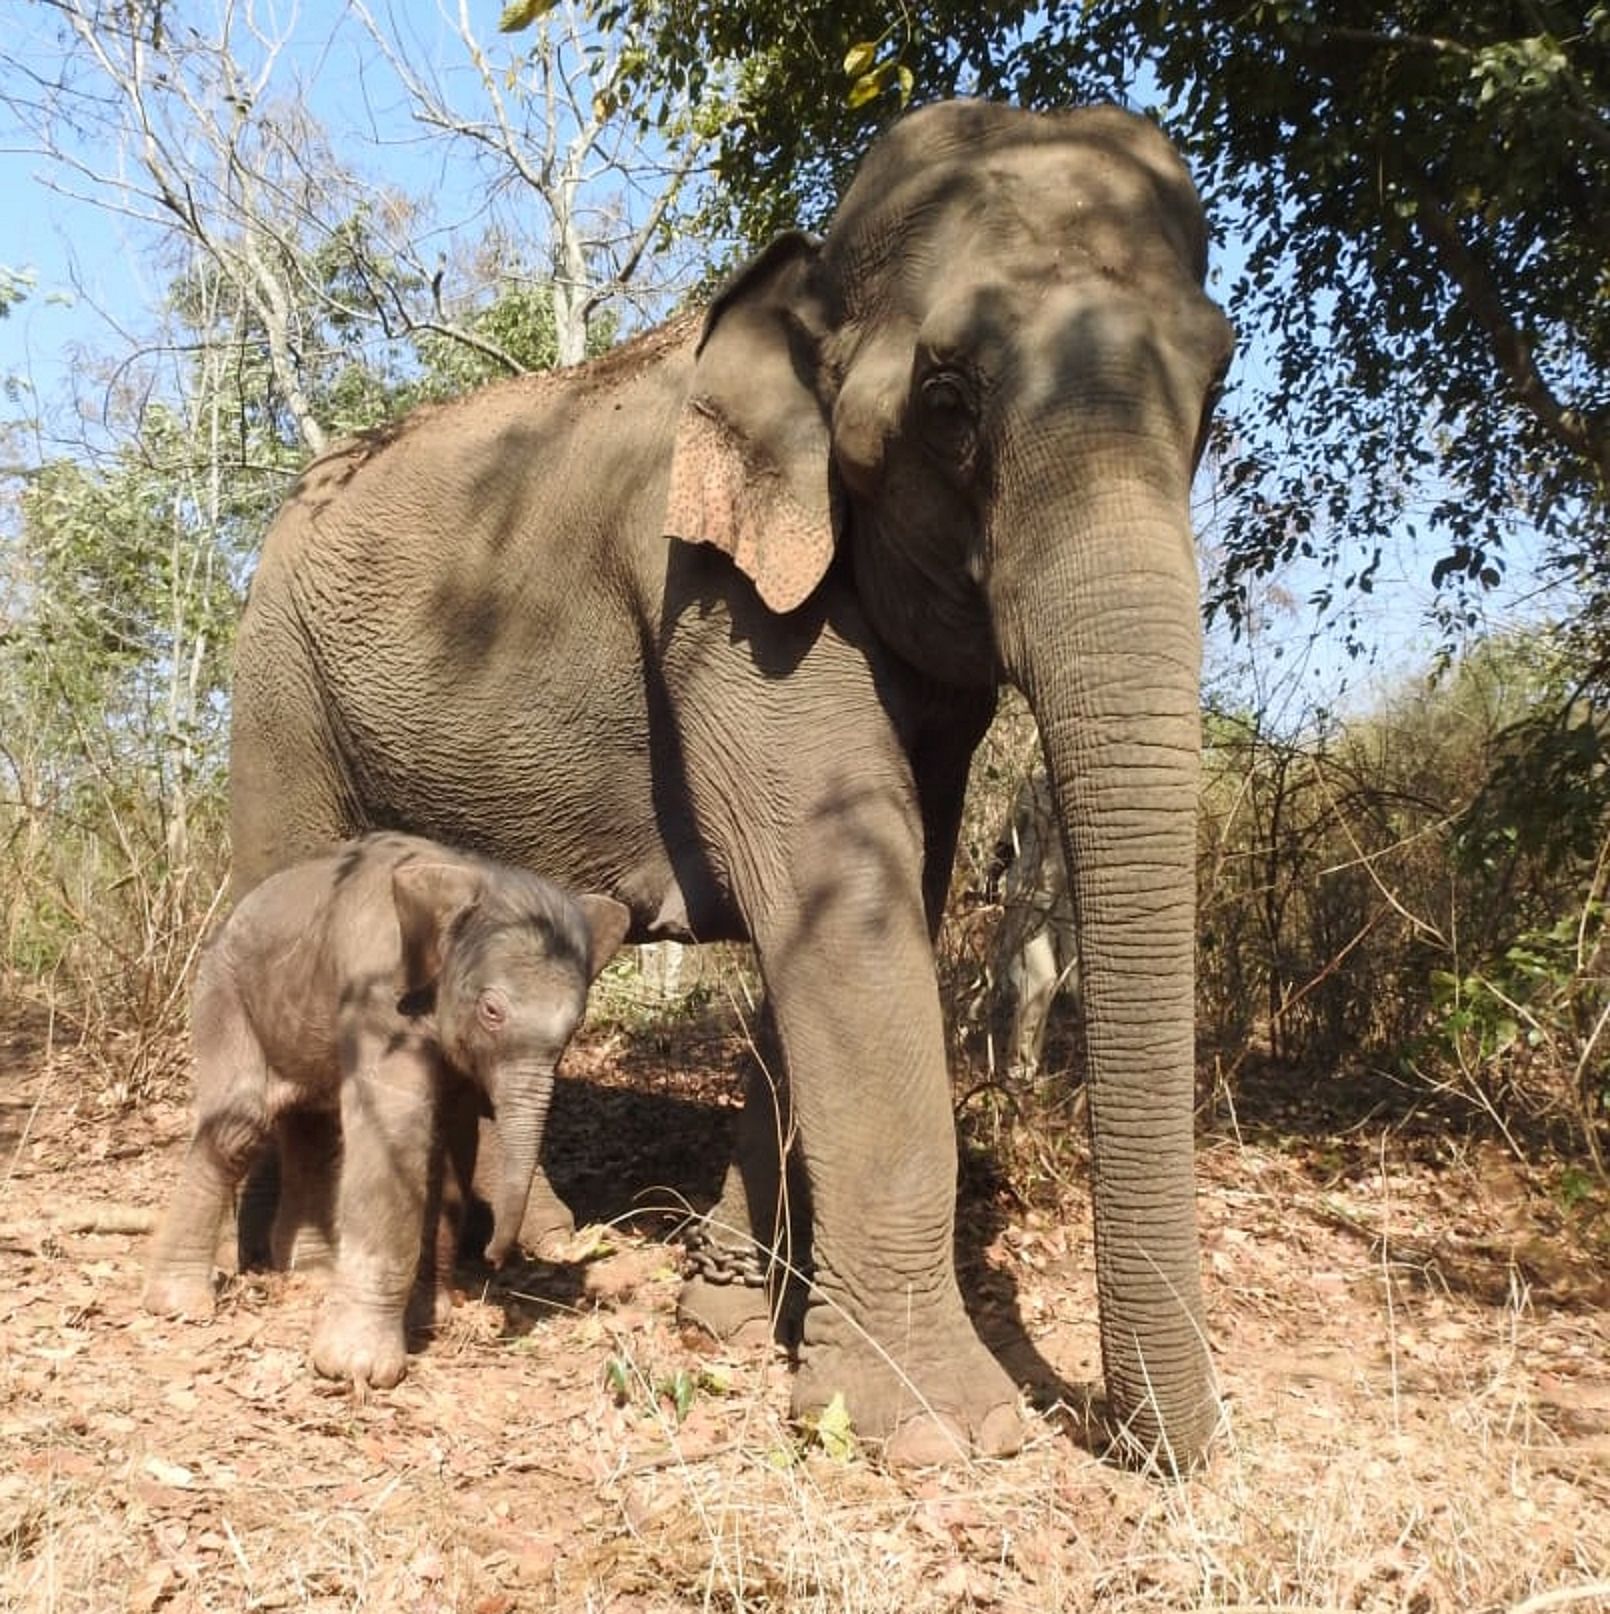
x: 520, y: 14
x: 908, y: 82
x: 714, y: 1379
x: 1575, y: 1186
x: 679, y: 1390
x: 859, y: 58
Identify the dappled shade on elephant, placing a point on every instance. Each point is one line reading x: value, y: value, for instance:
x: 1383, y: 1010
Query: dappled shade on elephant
x: 715, y: 623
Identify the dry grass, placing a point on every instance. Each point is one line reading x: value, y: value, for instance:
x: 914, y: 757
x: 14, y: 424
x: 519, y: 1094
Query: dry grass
x: 1412, y: 1342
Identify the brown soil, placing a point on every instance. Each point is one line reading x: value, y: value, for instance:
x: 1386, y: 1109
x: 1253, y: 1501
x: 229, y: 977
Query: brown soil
x: 1410, y: 1332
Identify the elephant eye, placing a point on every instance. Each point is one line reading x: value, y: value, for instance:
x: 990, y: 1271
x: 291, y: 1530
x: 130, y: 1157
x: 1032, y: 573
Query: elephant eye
x: 492, y: 1009
x: 945, y: 410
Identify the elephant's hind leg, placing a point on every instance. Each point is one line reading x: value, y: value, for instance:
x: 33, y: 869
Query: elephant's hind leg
x: 286, y: 1215
x: 308, y: 1148
x: 749, y: 1256
x: 453, y: 1156
x: 231, y: 1127
x: 288, y: 799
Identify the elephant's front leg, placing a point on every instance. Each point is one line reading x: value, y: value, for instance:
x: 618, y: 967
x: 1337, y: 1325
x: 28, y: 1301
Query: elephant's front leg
x: 844, y: 948
x: 387, y: 1125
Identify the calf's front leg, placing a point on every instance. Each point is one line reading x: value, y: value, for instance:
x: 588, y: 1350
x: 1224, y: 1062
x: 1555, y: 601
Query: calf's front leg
x: 387, y: 1127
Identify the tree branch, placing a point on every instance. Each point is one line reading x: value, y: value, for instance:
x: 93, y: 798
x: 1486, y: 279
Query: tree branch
x: 640, y: 241
x: 1581, y: 434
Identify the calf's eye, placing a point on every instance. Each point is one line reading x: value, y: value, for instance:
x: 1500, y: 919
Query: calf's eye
x: 492, y: 1009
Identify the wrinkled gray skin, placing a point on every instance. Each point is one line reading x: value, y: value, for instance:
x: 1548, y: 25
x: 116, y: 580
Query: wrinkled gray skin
x: 380, y: 982
x: 715, y: 623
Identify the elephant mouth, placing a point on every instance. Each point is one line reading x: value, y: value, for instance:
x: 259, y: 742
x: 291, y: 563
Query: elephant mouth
x: 931, y: 613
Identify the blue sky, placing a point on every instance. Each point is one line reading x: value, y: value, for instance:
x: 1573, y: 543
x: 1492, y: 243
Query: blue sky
x: 98, y: 277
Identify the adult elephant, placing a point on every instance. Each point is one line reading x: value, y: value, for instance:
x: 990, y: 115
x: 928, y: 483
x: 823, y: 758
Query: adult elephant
x: 715, y: 623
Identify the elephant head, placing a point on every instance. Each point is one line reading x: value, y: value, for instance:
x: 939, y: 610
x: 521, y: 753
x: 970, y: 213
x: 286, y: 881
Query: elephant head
x: 986, y: 390
x: 507, y: 958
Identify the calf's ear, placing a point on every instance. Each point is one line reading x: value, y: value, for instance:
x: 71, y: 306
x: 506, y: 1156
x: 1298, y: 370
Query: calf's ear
x: 607, y: 924
x: 429, y: 897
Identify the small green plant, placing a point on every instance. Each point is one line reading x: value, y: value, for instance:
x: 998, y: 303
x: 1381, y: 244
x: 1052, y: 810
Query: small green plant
x: 831, y: 1430
x: 674, y: 1392
x: 1574, y: 1188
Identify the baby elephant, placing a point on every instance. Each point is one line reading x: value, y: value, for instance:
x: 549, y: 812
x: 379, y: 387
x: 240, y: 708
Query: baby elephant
x: 376, y: 982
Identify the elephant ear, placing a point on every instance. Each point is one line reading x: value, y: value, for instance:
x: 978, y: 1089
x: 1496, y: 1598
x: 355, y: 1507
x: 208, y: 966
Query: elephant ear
x: 607, y: 924
x: 429, y: 897
x: 749, y: 472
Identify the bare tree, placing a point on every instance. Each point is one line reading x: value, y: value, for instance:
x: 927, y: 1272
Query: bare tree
x: 549, y: 121
x: 301, y: 290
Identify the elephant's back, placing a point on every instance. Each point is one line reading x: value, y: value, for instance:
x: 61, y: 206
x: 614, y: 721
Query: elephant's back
x: 446, y: 629
x: 522, y: 481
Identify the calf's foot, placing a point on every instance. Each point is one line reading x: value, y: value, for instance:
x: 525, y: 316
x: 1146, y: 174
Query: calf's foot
x: 430, y: 1306
x: 548, y: 1224
x: 180, y: 1294
x: 304, y: 1247
x: 360, y: 1343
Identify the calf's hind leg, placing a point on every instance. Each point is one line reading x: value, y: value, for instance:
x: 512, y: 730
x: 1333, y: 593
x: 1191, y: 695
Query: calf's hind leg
x: 231, y: 1127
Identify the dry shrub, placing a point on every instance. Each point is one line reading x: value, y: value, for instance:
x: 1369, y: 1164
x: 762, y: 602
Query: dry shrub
x: 104, y: 904
x: 1419, y: 890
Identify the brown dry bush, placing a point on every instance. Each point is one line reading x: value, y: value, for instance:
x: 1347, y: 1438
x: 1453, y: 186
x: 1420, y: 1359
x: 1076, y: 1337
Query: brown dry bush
x: 1404, y: 893
x: 1415, y: 894
x: 103, y: 912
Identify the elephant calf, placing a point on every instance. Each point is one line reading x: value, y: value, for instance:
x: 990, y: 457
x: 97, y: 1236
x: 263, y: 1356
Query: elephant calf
x: 394, y: 982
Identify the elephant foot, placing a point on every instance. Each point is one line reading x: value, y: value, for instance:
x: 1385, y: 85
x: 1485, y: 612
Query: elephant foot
x: 430, y: 1307
x: 734, y: 1313
x: 361, y: 1344
x: 946, y: 1406
x: 180, y: 1294
x: 735, y: 1293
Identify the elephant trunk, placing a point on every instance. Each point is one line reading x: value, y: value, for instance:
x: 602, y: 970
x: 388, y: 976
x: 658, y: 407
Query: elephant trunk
x: 521, y: 1114
x: 1099, y: 625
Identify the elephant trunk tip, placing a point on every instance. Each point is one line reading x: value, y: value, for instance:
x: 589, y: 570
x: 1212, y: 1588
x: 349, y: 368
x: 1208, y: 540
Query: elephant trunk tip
x: 507, y: 1218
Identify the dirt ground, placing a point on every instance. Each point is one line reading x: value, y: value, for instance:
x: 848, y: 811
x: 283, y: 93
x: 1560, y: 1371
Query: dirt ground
x: 1412, y: 1336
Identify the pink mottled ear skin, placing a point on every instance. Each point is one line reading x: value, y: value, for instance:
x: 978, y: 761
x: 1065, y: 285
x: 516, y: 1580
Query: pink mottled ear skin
x: 718, y: 497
